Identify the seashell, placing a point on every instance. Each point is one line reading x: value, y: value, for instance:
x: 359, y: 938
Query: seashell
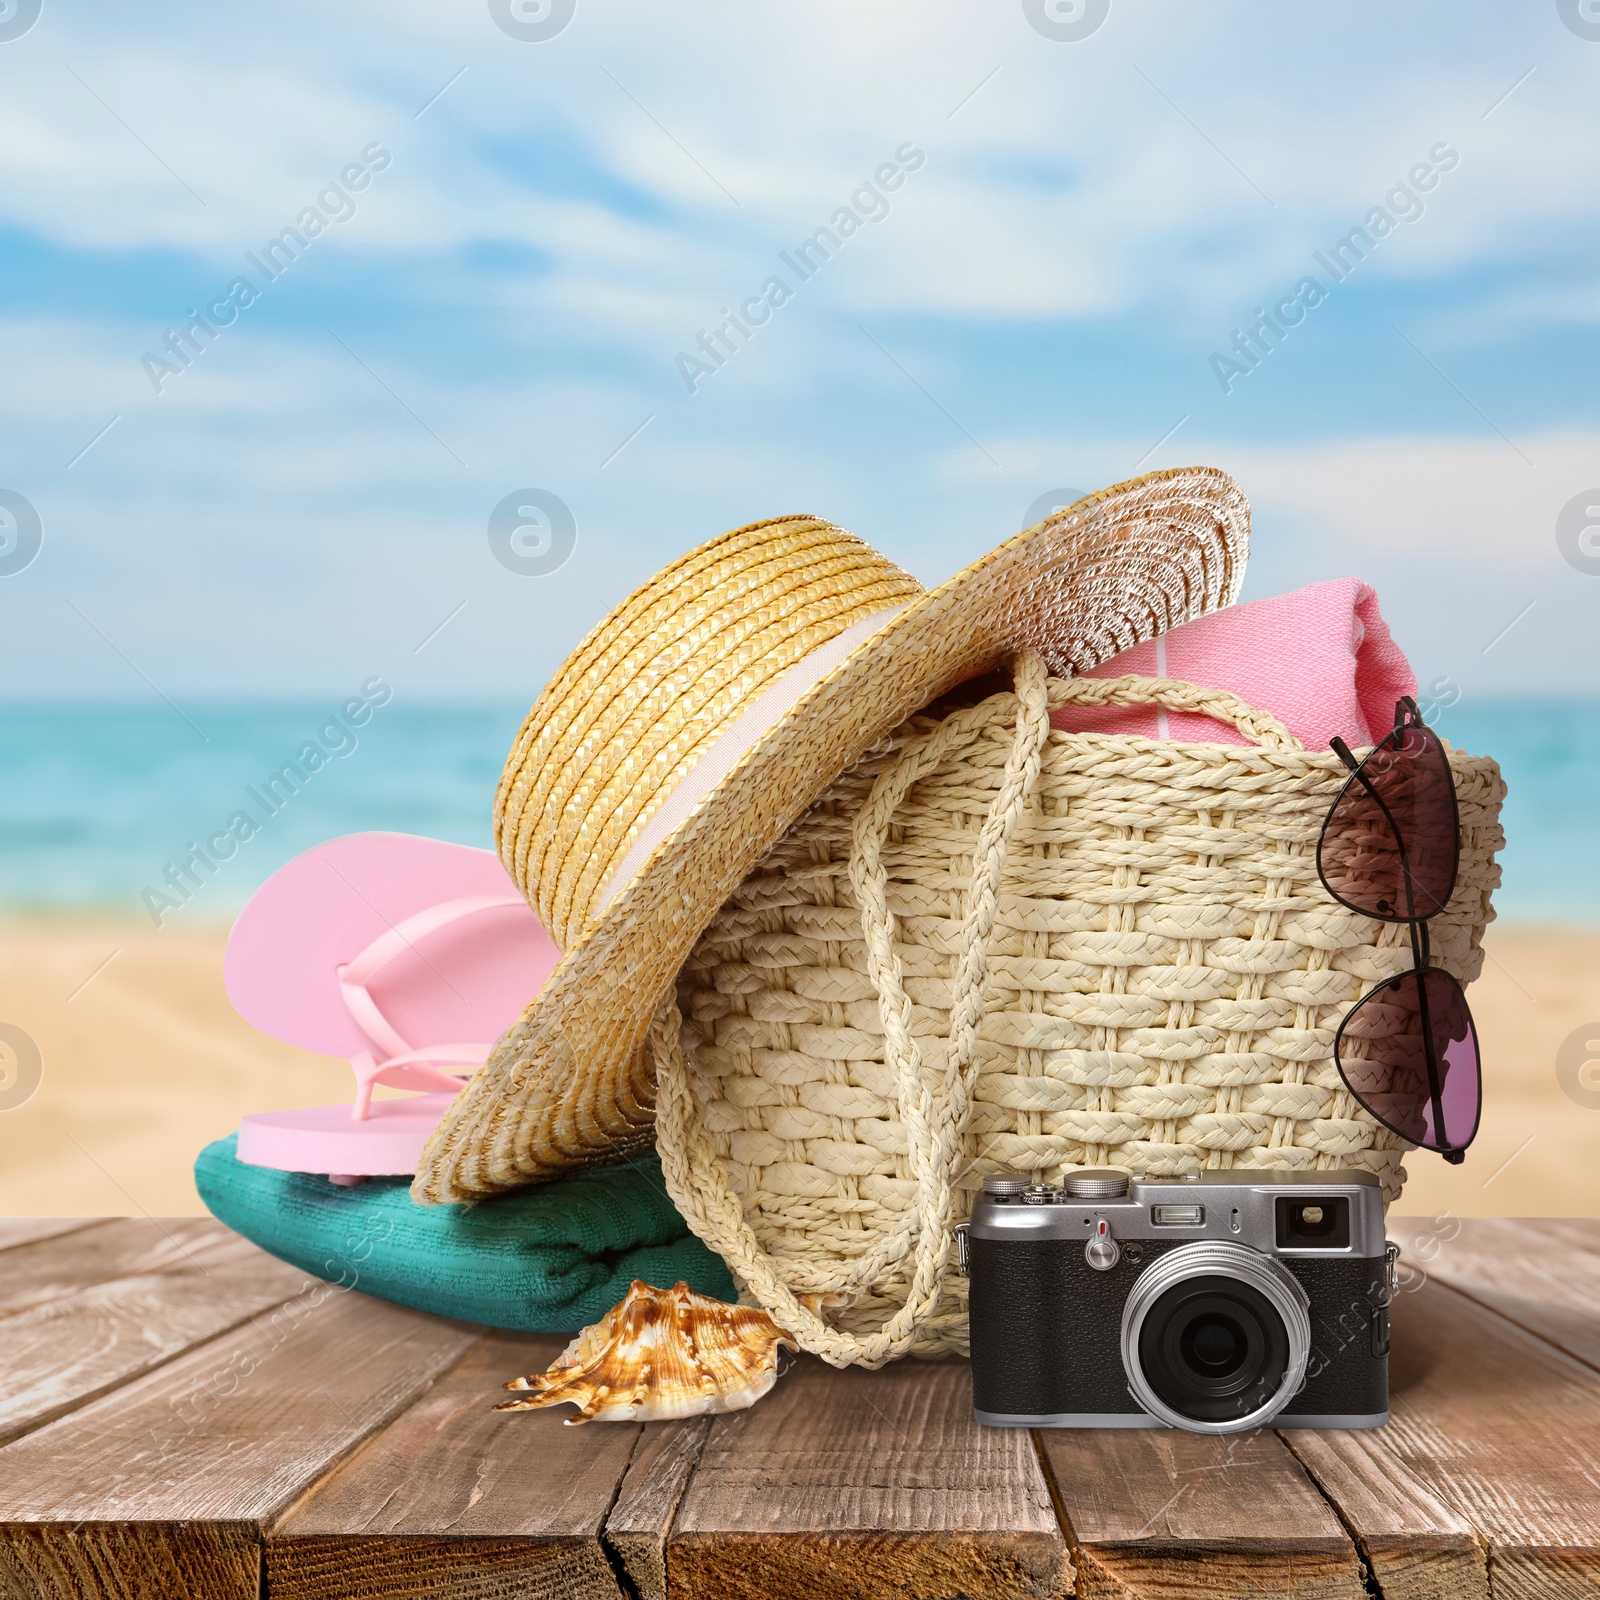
x: 661, y: 1353
x: 816, y: 1301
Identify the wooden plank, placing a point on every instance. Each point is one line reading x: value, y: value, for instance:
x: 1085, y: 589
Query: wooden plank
x: 64, y: 1353
x: 454, y: 1499
x: 1415, y: 1546
x: 641, y: 1521
x: 127, y: 1247
x: 1568, y: 1233
x: 853, y: 1484
x: 177, y: 1471
x: 115, y: 1561
x: 25, y: 1230
x: 460, y: 1569
x: 1501, y: 1427
x: 1541, y: 1273
x: 1158, y: 1513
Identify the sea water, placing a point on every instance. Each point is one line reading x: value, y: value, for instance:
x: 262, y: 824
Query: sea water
x: 99, y: 802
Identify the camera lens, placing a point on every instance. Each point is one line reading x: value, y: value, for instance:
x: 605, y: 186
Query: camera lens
x: 1214, y: 1349
x: 1215, y: 1337
x: 1214, y: 1344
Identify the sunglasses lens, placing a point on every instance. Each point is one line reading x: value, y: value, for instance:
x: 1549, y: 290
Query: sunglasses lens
x: 1384, y: 1057
x: 1394, y: 822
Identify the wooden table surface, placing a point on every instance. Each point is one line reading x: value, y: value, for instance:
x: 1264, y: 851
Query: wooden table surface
x: 185, y: 1416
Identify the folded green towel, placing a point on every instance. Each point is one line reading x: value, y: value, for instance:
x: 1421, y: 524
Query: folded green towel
x: 546, y: 1259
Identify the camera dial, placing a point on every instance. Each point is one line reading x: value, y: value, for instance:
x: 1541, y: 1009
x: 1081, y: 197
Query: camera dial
x: 1096, y: 1183
x: 1215, y: 1337
x: 1005, y: 1185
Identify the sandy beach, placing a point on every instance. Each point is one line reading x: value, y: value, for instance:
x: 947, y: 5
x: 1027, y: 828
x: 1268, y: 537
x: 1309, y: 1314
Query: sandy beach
x: 144, y: 1061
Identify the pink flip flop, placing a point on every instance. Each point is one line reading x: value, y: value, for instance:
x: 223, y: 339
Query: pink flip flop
x: 408, y: 956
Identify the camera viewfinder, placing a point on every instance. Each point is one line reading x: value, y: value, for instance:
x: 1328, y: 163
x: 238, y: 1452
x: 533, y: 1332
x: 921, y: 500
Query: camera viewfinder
x: 1314, y: 1223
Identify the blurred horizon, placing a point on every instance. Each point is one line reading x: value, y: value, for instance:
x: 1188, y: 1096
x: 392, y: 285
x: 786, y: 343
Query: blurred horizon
x: 446, y: 699
x: 97, y: 801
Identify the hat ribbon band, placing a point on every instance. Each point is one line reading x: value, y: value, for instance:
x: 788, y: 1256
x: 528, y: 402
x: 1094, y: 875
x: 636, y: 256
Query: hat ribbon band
x: 741, y: 736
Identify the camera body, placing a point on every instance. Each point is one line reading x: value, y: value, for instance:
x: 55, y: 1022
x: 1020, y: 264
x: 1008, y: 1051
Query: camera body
x: 1215, y: 1302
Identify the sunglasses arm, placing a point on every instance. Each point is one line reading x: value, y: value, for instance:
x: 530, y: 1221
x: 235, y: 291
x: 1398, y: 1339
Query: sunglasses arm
x: 1343, y: 751
x: 1422, y: 959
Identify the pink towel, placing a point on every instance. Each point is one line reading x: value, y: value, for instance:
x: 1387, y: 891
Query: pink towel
x: 1321, y: 660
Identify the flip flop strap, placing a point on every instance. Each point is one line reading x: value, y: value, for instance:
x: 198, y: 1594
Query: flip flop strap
x: 356, y: 974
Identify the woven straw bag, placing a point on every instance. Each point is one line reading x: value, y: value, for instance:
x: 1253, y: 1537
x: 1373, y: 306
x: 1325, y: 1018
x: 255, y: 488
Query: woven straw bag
x: 995, y: 946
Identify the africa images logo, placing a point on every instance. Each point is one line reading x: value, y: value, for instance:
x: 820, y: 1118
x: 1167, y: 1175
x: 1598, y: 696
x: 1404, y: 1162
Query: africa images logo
x: 333, y: 203
x: 1403, y: 203
x: 335, y: 738
x: 869, y: 203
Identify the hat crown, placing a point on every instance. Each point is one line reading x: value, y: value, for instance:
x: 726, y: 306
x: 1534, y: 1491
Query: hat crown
x: 661, y: 678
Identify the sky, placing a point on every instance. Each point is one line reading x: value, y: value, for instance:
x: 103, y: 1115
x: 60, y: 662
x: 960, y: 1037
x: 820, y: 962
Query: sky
x: 524, y: 223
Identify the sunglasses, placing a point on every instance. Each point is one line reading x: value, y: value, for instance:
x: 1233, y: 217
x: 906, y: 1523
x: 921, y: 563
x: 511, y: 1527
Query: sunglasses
x: 1389, y: 849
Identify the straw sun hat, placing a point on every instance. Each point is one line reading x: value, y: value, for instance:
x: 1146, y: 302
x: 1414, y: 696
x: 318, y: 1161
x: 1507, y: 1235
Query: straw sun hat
x: 681, y: 739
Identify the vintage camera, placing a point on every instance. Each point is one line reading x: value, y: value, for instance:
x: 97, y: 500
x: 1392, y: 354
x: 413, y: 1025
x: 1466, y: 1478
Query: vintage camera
x: 1214, y: 1302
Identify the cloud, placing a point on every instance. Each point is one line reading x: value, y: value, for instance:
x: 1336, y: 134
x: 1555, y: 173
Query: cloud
x: 1077, y: 181
x: 1480, y: 499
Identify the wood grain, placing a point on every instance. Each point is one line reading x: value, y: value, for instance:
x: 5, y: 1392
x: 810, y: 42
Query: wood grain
x: 24, y: 1230
x: 640, y: 1522
x: 228, y: 1433
x: 1416, y: 1546
x: 113, y: 1561
x: 334, y: 1568
x: 454, y: 1499
x: 1541, y: 1273
x: 860, y: 1484
x: 56, y: 1266
x: 1158, y: 1513
x: 61, y: 1354
x: 1501, y: 1427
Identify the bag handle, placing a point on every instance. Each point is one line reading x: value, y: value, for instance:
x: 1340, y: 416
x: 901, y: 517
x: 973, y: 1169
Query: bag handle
x: 934, y: 1116
x: 1173, y: 694
x: 695, y: 1178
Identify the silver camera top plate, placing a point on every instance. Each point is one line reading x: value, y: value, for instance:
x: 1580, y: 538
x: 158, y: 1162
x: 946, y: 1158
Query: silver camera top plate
x: 1238, y: 1205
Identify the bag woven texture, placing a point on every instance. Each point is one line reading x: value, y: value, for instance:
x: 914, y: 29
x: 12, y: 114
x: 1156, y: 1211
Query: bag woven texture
x: 996, y: 946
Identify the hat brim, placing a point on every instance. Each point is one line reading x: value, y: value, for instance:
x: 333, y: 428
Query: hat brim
x: 569, y: 1085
